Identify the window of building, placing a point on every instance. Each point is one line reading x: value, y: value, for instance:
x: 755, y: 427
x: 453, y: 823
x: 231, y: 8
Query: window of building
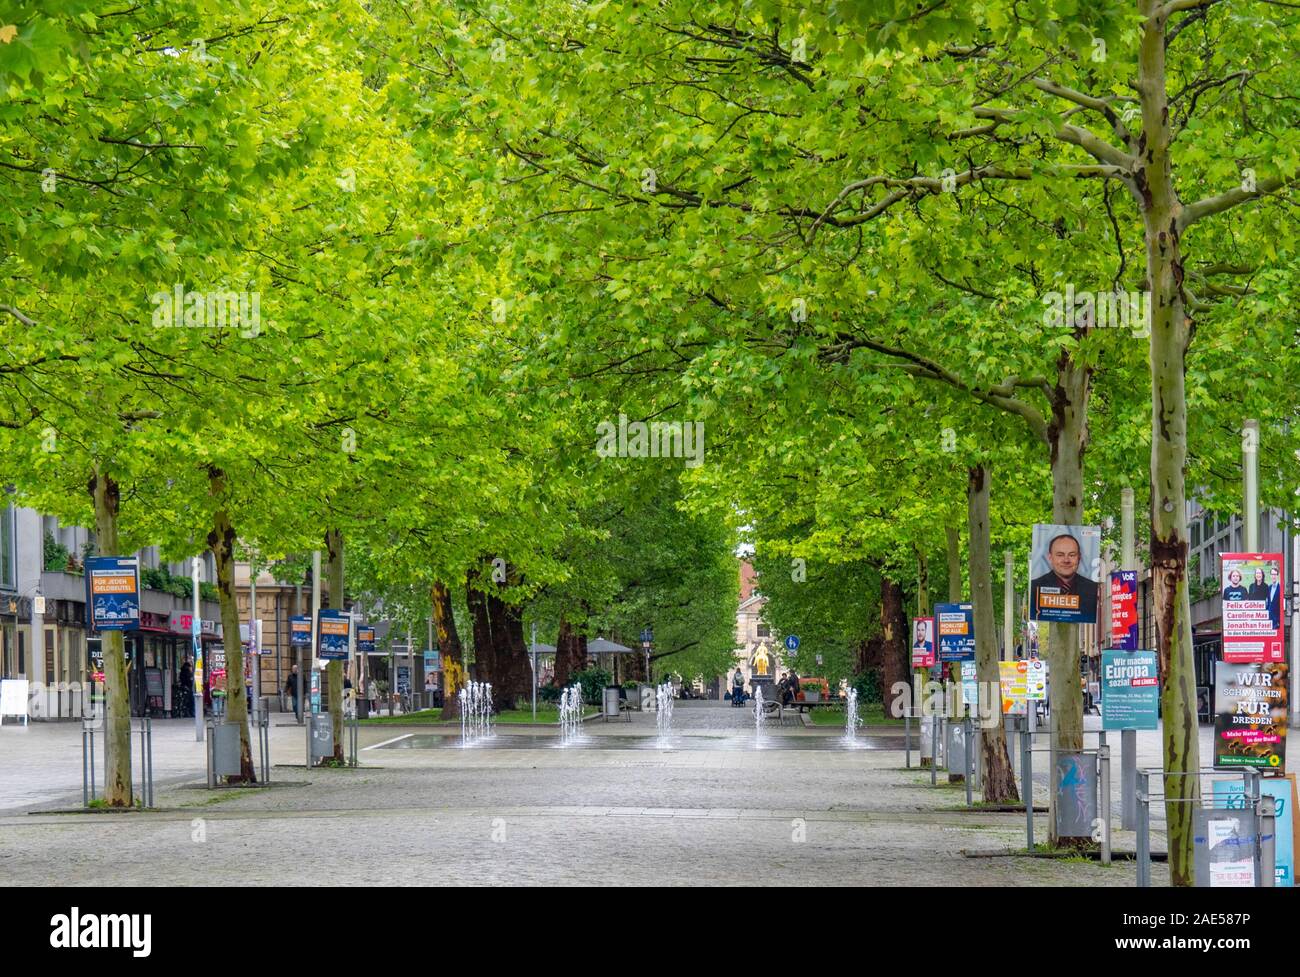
x: 7, y: 557
x: 763, y: 630
x: 1196, y: 534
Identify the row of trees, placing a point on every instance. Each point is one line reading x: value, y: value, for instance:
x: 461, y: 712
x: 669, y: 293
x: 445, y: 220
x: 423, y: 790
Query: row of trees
x: 835, y: 238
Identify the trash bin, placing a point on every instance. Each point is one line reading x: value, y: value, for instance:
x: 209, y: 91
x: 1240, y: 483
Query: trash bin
x: 611, y: 701
x: 225, y: 749
x: 363, y: 708
x: 322, y: 736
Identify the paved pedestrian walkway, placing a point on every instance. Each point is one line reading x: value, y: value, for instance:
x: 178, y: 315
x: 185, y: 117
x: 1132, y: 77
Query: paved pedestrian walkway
x: 528, y: 813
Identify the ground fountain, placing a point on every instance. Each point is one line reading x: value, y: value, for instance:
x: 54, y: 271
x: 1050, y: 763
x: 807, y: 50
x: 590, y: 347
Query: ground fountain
x: 664, y: 710
x: 851, y: 720
x: 475, y: 712
x: 759, y: 712
x: 571, y: 714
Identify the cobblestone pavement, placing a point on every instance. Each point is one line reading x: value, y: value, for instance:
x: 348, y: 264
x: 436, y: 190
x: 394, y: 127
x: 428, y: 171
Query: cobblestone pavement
x: 534, y: 815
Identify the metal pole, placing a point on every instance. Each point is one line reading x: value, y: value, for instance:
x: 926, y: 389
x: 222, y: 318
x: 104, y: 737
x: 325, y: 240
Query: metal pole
x: 907, y: 735
x: 1027, y: 782
x: 196, y: 650
x: 533, y: 649
x: 85, y: 797
x: 966, y: 738
x: 315, y: 623
x: 254, y: 639
x: 1127, y: 737
x: 1250, y: 477
x: 1103, y: 759
x: 1008, y: 605
x: 92, y: 763
x: 1143, y: 829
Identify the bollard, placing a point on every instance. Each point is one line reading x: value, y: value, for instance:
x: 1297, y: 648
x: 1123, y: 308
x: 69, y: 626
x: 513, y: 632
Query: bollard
x: 907, y: 736
x: 934, y: 749
x: 966, y: 749
x: 1103, y: 782
x: 1143, y: 829
x: 208, y: 738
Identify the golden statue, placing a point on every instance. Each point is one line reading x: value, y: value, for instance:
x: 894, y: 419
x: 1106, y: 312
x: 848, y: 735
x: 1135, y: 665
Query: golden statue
x: 760, y: 661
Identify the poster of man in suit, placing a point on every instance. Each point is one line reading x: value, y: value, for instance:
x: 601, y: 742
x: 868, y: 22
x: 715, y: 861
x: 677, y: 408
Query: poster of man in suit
x: 1252, y: 607
x: 1063, y: 568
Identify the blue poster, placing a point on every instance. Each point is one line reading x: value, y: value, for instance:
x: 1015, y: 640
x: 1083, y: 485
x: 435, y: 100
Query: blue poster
x: 335, y: 629
x: 1130, y: 689
x: 113, y: 592
x: 300, y: 631
x: 954, y: 625
x: 365, y: 640
x: 1232, y: 795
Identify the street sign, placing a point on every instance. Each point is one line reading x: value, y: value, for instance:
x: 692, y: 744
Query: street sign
x: 792, y: 642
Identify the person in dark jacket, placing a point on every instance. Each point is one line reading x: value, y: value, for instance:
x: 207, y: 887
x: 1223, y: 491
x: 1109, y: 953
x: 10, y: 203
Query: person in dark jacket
x: 291, y: 688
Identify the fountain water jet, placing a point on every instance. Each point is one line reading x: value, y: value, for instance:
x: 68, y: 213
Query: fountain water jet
x: 570, y: 713
x: 664, y: 710
x: 475, y: 712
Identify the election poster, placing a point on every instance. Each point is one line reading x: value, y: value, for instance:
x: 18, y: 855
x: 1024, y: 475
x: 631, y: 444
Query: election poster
x: 923, y: 642
x: 113, y: 592
x: 1231, y: 795
x: 1252, y: 607
x: 365, y: 639
x: 1251, y: 715
x: 300, y: 631
x: 1124, y: 610
x: 335, y: 629
x: 955, y: 627
x: 1013, y: 679
x: 1063, y: 567
x: 1130, y: 689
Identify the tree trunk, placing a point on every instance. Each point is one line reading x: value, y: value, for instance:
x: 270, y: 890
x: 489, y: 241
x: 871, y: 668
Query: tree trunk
x: 1170, y: 336
x: 570, y: 653
x: 1068, y: 441
x: 999, y: 783
x: 221, y: 540
x: 334, y: 670
x: 117, y: 698
x: 953, y: 537
x: 894, y: 646
x: 499, y: 637
x: 444, y: 627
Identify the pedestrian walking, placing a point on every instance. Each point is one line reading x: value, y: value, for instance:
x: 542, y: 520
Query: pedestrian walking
x: 291, y: 687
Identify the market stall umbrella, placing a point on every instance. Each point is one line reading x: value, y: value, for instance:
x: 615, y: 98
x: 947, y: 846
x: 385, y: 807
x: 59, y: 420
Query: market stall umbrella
x: 603, y: 646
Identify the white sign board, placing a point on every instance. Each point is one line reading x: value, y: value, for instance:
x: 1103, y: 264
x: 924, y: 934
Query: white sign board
x: 1036, y: 679
x: 13, y: 698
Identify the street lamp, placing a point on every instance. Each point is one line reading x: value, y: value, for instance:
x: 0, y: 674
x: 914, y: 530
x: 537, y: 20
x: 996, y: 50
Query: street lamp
x: 647, y: 642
